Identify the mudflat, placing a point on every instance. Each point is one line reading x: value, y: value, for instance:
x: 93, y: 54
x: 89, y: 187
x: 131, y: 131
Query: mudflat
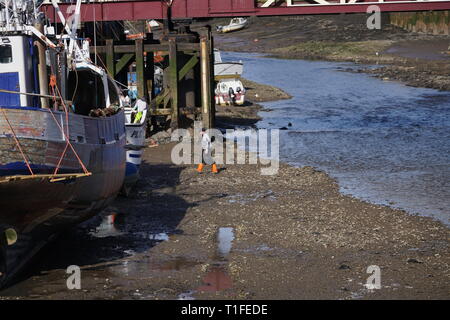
x: 416, y: 59
x: 242, y: 235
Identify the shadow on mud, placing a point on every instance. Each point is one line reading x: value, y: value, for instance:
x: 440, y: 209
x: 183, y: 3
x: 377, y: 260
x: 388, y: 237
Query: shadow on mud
x: 130, y: 225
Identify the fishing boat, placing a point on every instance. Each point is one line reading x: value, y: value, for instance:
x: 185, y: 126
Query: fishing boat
x: 135, y: 132
x: 62, y: 133
x: 234, y: 25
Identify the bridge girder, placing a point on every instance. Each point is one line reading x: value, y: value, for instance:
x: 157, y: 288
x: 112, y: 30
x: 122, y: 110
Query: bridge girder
x: 157, y: 9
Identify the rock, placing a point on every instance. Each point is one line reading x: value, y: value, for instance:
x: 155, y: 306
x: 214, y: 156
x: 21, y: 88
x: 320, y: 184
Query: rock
x: 283, y: 128
x: 344, y: 267
x: 161, y: 137
x: 412, y: 260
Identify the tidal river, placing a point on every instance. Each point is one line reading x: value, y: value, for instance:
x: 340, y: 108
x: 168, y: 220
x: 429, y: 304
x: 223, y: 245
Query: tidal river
x: 385, y: 142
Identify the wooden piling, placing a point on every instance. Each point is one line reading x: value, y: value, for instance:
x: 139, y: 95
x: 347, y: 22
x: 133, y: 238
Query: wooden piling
x: 110, y: 62
x: 188, y: 85
x: 140, y: 68
x: 173, y: 82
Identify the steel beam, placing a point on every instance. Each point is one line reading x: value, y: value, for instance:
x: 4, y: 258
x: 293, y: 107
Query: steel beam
x: 140, y: 10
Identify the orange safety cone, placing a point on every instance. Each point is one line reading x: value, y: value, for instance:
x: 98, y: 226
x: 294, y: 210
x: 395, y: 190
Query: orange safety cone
x: 200, y: 167
x: 214, y: 168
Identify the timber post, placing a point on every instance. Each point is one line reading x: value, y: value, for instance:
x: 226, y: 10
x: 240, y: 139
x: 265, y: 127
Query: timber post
x: 173, y: 82
x: 140, y: 68
x: 110, y: 62
x: 212, y: 111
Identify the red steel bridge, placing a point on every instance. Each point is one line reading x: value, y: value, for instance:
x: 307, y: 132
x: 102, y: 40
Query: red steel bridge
x: 113, y: 10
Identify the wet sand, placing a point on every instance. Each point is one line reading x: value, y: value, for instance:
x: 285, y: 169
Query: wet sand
x: 416, y: 59
x: 241, y: 235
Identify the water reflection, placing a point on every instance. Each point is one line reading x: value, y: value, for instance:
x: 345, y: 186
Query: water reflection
x: 216, y: 279
x: 225, y: 237
x: 106, y: 227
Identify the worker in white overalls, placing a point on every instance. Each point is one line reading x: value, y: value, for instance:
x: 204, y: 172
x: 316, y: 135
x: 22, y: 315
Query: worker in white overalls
x: 138, y: 109
x: 206, y: 153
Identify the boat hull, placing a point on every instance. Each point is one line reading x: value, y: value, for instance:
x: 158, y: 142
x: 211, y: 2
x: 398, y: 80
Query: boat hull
x: 135, y: 136
x: 39, y: 206
x: 224, y: 97
x: 227, y: 69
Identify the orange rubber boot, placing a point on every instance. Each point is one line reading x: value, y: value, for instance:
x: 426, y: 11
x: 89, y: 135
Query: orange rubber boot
x: 214, y: 168
x: 200, y: 167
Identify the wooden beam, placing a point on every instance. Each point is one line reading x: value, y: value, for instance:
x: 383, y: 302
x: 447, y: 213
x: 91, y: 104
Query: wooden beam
x: 140, y: 79
x: 150, y: 74
x: 123, y: 62
x: 161, y: 112
x: 212, y: 115
x: 160, y: 97
x: 188, y: 66
x: 110, y: 62
x: 173, y: 82
x: 148, y: 47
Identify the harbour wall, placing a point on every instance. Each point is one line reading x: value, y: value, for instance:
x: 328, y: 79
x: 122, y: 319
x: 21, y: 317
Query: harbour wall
x: 429, y: 22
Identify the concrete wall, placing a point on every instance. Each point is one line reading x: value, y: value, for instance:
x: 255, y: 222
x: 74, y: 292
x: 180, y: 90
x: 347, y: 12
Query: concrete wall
x: 430, y: 22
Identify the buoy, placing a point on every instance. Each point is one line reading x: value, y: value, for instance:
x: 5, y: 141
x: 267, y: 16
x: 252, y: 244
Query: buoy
x: 11, y: 236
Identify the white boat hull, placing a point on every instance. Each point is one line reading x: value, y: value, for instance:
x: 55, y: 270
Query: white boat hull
x: 235, y: 25
x: 228, y: 69
x: 135, y: 137
x: 230, y: 92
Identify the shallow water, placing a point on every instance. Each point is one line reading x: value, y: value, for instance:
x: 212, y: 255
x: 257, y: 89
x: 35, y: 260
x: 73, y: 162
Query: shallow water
x: 385, y: 142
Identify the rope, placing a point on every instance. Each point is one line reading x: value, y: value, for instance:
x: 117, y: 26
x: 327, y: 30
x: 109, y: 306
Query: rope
x: 17, y: 143
x: 54, y: 85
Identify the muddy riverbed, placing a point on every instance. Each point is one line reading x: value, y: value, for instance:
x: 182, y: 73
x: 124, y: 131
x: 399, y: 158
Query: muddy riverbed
x: 241, y: 235
x: 416, y: 59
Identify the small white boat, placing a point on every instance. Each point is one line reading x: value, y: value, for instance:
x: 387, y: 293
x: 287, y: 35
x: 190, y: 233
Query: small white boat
x: 230, y: 92
x: 235, y: 24
x: 226, y: 69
